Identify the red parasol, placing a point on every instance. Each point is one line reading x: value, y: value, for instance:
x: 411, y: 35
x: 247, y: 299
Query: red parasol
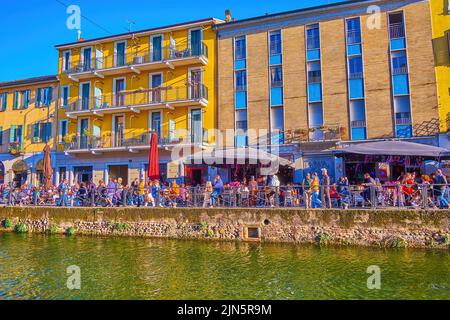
x: 153, y: 160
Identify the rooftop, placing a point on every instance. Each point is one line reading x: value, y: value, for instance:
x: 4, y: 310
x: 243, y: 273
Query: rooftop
x: 141, y: 32
x: 21, y: 82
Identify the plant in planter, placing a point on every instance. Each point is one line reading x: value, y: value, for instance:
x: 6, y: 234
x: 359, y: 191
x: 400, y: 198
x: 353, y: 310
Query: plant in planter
x: 15, y: 148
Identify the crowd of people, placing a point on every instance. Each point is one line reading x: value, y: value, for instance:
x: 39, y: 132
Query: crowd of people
x: 315, y: 191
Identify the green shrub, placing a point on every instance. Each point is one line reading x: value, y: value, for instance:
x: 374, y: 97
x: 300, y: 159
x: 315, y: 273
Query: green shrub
x: 120, y: 227
x: 21, y: 228
x: 323, y: 238
x: 210, y: 233
x: 53, y: 230
x: 70, y: 231
x: 7, y: 223
x: 204, y: 226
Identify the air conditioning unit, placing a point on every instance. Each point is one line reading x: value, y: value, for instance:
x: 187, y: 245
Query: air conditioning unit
x: 138, y: 60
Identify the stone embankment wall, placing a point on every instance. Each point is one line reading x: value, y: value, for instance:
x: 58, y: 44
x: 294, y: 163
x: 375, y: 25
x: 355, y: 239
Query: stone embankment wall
x: 384, y: 228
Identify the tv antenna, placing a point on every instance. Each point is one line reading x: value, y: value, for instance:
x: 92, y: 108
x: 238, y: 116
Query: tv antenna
x: 130, y: 24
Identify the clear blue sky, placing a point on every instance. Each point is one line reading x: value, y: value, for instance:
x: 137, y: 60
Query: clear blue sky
x: 32, y: 28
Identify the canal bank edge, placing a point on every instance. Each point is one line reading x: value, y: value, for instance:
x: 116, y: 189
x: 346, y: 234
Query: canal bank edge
x: 380, y: 228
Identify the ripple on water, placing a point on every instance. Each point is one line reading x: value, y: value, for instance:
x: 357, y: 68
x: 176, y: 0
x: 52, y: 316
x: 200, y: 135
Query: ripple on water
x: 34, y: 267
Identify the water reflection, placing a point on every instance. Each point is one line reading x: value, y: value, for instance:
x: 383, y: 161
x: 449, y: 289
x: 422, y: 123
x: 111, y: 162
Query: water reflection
x: 34, y: 267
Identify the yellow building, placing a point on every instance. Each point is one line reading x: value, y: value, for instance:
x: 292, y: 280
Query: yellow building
x: 440, y: 17
x: 116, y: 90
x: 27, y: 112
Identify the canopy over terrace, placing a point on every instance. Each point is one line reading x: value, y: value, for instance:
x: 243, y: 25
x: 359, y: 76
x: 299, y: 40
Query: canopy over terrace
x: 395, y: 148
x: 237, y: 155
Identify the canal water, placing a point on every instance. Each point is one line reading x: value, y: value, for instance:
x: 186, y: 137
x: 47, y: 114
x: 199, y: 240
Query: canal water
x: 35, y: 267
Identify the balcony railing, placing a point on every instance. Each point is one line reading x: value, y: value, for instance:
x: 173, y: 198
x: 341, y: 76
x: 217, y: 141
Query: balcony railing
x: 403, y: 121
x: 355, y: 75
x: 158, y: 95
x: 396, y: 30
x: 400, y: 70
x: 353, y: 36
x: 358, y: 124
x: 128, y: 141
x: 312, y: 42
x: 139, y: 58
x: 317, y: 133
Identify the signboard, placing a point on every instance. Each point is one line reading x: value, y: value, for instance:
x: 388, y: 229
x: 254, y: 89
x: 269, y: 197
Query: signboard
x: 173, y: 171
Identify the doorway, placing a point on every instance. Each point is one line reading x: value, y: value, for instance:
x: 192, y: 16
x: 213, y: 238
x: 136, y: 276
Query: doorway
x: 119, y: 131
x: 119, y: 171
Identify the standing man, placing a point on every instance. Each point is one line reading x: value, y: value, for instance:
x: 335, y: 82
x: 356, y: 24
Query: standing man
x: 441, y: 182
x: 62, y: 190
x: 306, y: 186
x: 326, y: 188
x: 217, y: 189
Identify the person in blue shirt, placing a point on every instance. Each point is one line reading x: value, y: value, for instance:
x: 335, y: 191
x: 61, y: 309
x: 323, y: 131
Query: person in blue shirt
x: 217, y: 190
x: 62, y: 190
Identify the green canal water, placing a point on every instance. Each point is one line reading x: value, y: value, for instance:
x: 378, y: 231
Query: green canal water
x: 35, y: 267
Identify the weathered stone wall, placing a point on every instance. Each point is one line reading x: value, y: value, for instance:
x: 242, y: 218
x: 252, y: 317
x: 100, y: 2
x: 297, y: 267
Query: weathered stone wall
x: 396, y: 228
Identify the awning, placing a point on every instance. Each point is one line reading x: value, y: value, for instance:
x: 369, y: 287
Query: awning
x: 238, y: 155
x: 395, y: 148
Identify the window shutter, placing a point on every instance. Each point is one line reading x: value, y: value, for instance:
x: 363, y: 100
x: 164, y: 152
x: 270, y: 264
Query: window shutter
x: 20, y: 133
x: 16, y: 100
x: 1, y: 136
x: 50, y: 96
x: 48, y: 132
x: 12, y: 133
x: 38, y: 97
x: 36, y: 133
x: 26, y: 99
x: 4, y: 101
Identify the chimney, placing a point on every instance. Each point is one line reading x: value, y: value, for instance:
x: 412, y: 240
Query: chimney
x: 227, y: 15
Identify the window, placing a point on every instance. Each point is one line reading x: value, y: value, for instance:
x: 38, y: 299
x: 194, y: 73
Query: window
x: 86, y: 58
x: 396, y: 29
x: 276, y: 76
x: 315, y: 115
x: 120, y: 59
x: 399, y: 62
x: 277, y: 118
x: 353, y: 31
x: 21, y: 99
x: 240, y: 51
x: 312, y: 37
x: 314, y: 72
x: 402, y: 104
x: 275, y: 43
x: 66, y: 61
x: 15, y: 134
x: 156, y: 43
x: 1, y: 136
x: 65, y: 93
x: 44, y: 97
x: 42, y: 132
x: 241, y: 120
x: 63, y: 130
x: 355, y: 67
x: 241, y: 81
x: 3, y: 101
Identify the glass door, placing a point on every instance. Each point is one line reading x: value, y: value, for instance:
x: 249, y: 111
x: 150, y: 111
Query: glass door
x: 156, y: 123
x: 85, y: 96
x: 155, y: 85
x: 87, y: 57
x: 196, y: 126
x: 195, y: 42
x: 119, y: 87
x: 84, y: 133
x: 120, y: 54
x: 195, y: 78
x: 119, y: 131
x: 156, y: 54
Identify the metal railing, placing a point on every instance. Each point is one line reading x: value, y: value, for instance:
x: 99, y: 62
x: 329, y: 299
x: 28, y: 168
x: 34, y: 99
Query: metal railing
x: 358, y: 124
x: 139, y: 57
x: 355, y: 75
x: 318, y: 133
x: 312, y: 42
x: 353, y: 36
x: 396, y: 30
x: 400, y: 70
x: 141, y: 97
x: 388, y: 196
x: 403, y: 121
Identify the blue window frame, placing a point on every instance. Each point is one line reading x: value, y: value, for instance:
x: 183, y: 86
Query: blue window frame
x: 353, y: 31
x: 312, y: 37
x: 240, y: 50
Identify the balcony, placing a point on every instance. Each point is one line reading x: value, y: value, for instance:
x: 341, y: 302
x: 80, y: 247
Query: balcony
x: 358, y: 124
x: 399, y: 70
x: 353, y: 37
x: 403, y: 121
x: 128, y: 142
x: 315, y: 134
x: 167, y: 57
x: 140, y: 100
x: 396, y: 30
